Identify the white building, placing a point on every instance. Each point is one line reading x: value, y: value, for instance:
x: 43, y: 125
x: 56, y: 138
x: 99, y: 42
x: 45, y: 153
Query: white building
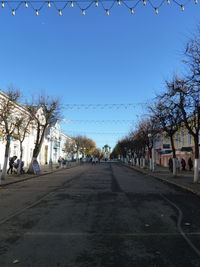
x: 52, y: 148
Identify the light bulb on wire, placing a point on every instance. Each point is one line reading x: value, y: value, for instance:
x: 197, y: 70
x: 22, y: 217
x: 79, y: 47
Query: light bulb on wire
x: 36, y: 12
x: 60, y: 12
x: 156, y: 11
x: 2, y: 4
x: 118, y: 3
x: 96, y: 3
x: 182, y: 8
x: 71, y: 4
x: 83, y: 12
x: 26, y: 5
x: 13, y: 12
x: 168, y: 2
x: 144, y: 2
x: 107, y: 12
x: 131, y: 11
x: 49, y: 4
x: 196, y: 2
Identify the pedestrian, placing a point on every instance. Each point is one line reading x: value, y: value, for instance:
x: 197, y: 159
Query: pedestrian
x: 16, y: 165
x: 177, y: 165
x: 11, y: 164
x: 170, y: 165
x: 190, y: 163
x: 60, y: 161
x: 93, y: 161
x: 183, y: 164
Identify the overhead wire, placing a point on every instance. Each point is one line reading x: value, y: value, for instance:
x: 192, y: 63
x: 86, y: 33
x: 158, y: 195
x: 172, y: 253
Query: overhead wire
x: 101, y: 106
x: 98, y: 121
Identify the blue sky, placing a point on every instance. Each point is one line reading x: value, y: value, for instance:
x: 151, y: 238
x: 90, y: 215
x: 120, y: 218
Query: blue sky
x: 95, y: 59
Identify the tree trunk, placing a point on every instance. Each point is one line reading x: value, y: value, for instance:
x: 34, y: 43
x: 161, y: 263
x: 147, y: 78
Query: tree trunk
x: 174, y: 156
x: 6, y: 157
x: 30, y: 168
x: 20, y: 159
x: 174, y: 167
x: 196, y: 160
x: 36, y: 152
x: 150, y: 164
x: 143, y: 162
x: 150, y: 158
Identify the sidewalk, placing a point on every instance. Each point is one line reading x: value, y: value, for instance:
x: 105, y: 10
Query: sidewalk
x: 184, y: 179
x: 45, y: 169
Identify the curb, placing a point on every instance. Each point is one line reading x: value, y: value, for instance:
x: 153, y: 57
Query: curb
x: 183, y: 187
x: 35, y: 176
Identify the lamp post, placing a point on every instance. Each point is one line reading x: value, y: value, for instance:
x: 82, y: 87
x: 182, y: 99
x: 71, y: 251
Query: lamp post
x: 129, y: 156
x: 50, y: 160
x: 50, y: 137
x: 151, y: 154
x: 125, y: 149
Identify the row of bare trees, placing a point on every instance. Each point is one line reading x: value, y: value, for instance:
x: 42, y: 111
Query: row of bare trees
x: 175, y: 108
x: 17, y: 120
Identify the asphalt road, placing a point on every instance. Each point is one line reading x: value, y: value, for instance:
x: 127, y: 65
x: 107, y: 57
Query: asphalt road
x: 105, y: 215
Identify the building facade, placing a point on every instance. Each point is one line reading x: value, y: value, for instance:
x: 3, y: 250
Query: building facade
x: 184, y: 146
x: 53, y: 146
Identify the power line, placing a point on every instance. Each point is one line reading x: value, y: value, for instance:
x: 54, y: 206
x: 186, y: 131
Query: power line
x: 97, y: 133
x: 101, y: 106
x: 59, y: 6
x: 99, y: 121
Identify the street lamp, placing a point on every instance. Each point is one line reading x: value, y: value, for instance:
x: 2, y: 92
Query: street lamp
x: 151, y: 154
x: 50, y: 138
x: 125, y: 149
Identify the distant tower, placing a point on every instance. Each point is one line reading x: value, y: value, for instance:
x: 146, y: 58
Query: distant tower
x: 106, y: 150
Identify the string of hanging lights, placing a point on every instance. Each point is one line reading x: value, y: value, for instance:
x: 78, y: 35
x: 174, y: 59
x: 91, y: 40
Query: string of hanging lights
x: 99, y: 121
x: 95, y: 133
x: 37, y: 6
x: 102, y: 106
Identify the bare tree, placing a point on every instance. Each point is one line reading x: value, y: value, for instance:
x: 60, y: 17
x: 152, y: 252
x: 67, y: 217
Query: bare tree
x: 9, y: 114
x: 148, y: 130
x: 44, y: 112
x: 169, y: 118
x: 22, y: 129
x: 186, y: 96
x: 189, y: 93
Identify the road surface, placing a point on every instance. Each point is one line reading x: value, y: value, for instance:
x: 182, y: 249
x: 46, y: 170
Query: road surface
x: 103, y: 215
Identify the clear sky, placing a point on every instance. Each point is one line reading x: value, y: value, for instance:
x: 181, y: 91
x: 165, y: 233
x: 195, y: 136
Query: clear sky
x: 95, y: 59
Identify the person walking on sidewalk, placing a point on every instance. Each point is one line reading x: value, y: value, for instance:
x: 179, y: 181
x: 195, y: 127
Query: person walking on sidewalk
x: 11, y: 164
x: 93, y: 161
x: 190, y: 164
x: 183, y: 164
x: 177, y: 165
